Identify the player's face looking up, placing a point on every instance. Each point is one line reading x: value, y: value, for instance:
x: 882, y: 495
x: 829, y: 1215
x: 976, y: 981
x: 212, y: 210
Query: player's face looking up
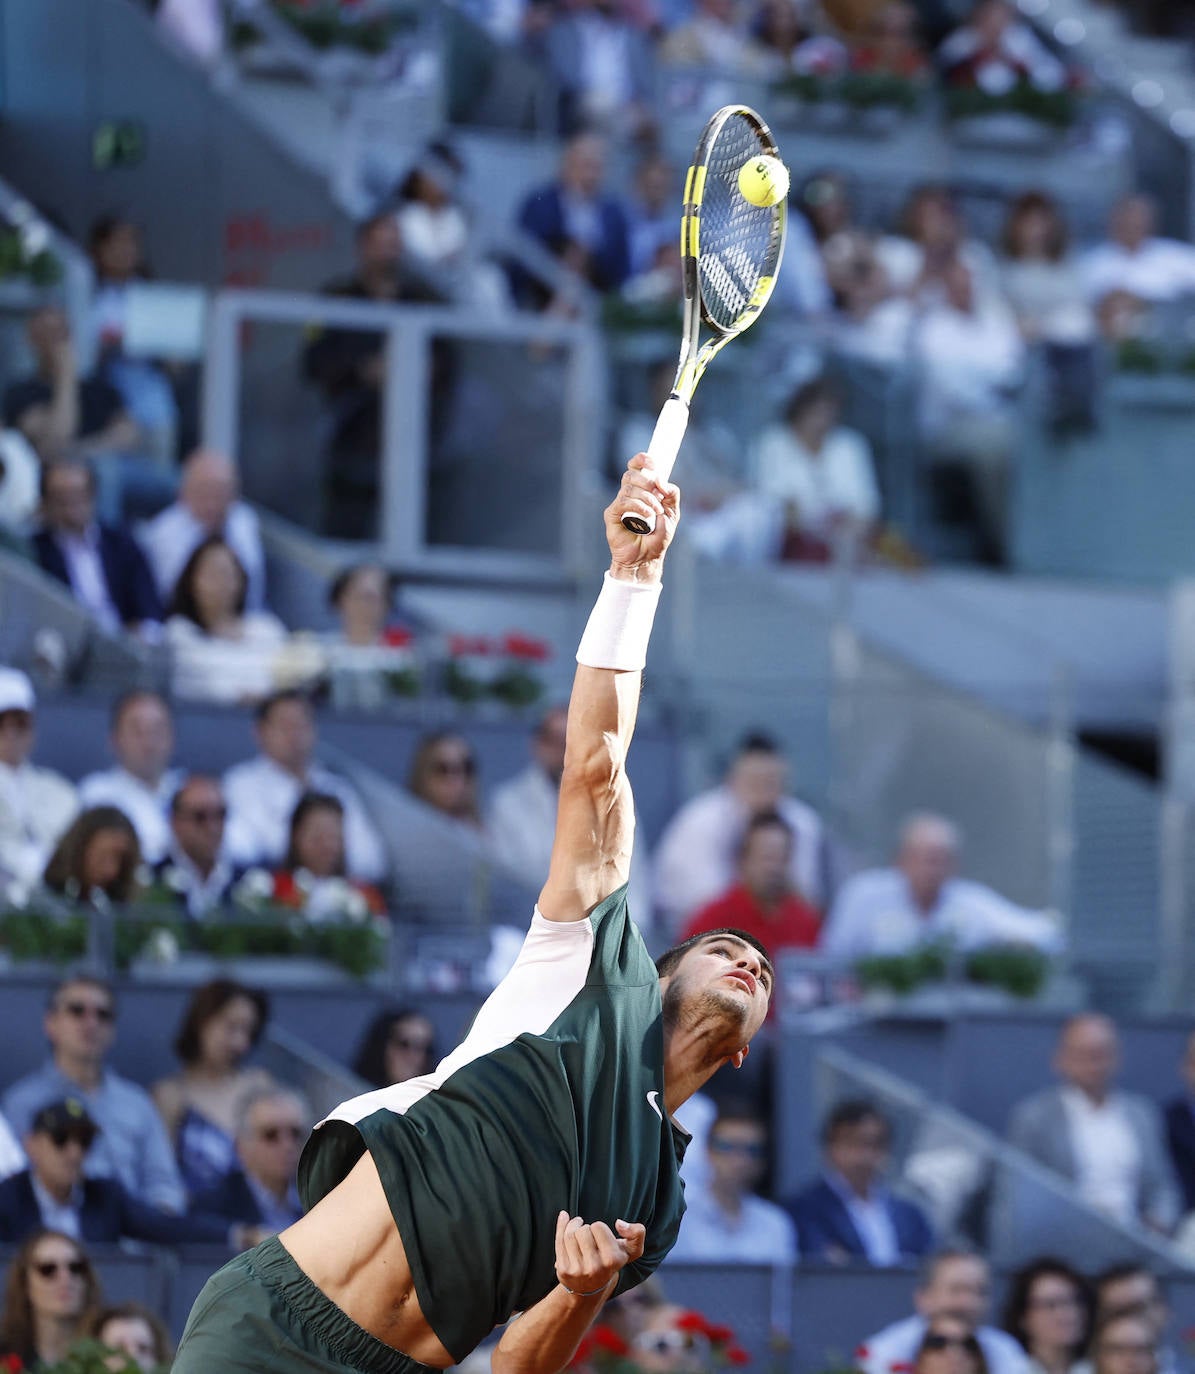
x: 723, y: 981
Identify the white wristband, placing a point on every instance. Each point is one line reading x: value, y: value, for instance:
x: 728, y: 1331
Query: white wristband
x: 620, y: 626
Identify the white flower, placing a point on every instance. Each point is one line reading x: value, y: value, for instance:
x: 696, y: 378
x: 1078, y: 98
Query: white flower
x: 255, y: 888
x: 161, y: 947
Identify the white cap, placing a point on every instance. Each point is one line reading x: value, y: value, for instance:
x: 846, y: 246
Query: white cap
x: 16, y: 691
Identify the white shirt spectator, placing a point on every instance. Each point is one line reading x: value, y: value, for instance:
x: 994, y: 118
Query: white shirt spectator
x: 171, y: 537
x: 875, y: 914
x: 895, y: 1348
x: 1107, y: 1153
x: 261, y: 797
x: 1158, y: 270
x: 12, y: 1157
x: 1050, y: 300
x: 838, y: 481
x: 762, y: 1233
x: 19, y: 474
x: 215, y: 668
x: 696, y: 856
x: 970, y: 361
x: 145, y: 806
x: 36, y: 806
x: 1019, y: 50
x: 696, y: 1116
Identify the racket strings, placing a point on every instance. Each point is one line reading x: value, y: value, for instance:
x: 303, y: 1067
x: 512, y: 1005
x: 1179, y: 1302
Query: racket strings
x: 740, y: 242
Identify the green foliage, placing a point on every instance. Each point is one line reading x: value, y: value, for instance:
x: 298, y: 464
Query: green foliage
x: 40, y: 269
x: 324, y: 26
x: 90, y: 1357
x: 1020, y: 971
x: 859, y: 90
x: 1137, y: 356
x: 517, y: 687
x: 902, y: 973
x: 1015, y: 969
x: 57, y: 937
x: 1056, y: 109
x: 462, y: 685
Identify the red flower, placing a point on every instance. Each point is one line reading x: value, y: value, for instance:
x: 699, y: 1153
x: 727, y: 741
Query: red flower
x: 693, y: 1321
x: 397, y: 637
x: 524, y: 647
x: 286, y: 891
x: 719, y: 1335
x: 12, y: 1363
x: 606, y: 1339
x: 460, y: 646
x: 861, y: 1352
x: 737, y: 1355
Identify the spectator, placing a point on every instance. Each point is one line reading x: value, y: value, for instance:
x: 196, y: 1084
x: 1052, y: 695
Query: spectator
x: 1136, y: 263
x: 849, y: 1215
x: 1180, y: 1129
x: 578, y: 223
x: 141, y: 738
x: 1133, y: 1288
x: 36, y: 804
x: 444, y: 776
x: 367, y: 650
x: 522, y: 816
x: 715, y: 37
x: 100, y: 563
x: 12, y: 1157
x: 781, y: 29
x: 1108, y: 1143
x: 652, y: 213
x: 221, y: 1027
x: 133, y: 1146
x: 949, y: 1346
x: 133, y: 1330
x: 20, y: 475
x: 1125, y: 1343
x: 51, y: 1287
x: 995, y: 52
x: 349, y: 365
x: 220, y: 651
x: 208, y: 504
x: 263, y: 792
x: 262, y: 1192
x: 873, y: 323
x: 1044, y: 287
x: 312, y: 878
x: 96, y: 861
x: 436, y: 234
x: 397, y: 1045
x: 1048, y: 1309
x: 670, y: 1340
x: 53, y: 1192
x: 59, y: 411
x: 695, y: 860
x: 932, y: 238
x: 817, y: 475
x: 953, y: 1283
x: 762, y: 902
x: 118, y: 260
x: 890, y: 44
x: 602, y: 65
x: 728, y: 1223
x: 196, y: 871
x: 885, y: 911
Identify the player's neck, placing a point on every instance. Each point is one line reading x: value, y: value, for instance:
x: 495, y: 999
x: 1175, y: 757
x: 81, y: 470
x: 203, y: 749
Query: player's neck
x: 692, y: 1055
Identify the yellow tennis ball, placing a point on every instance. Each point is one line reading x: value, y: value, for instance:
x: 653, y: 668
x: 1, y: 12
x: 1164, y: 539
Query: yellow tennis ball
x: 763, y: 181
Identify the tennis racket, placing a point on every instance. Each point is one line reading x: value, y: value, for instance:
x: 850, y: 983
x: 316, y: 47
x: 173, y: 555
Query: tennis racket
x: 730, y: 252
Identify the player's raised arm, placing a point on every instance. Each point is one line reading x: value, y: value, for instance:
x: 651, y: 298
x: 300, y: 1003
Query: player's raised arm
x: 595, y: 820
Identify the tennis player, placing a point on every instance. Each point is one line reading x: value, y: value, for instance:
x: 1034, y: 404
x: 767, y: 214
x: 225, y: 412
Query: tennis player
x: 535, y: 1170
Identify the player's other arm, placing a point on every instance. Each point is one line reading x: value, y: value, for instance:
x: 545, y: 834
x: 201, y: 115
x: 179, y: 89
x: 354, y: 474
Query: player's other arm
x: 595, y: 821
x: 588, y: 1261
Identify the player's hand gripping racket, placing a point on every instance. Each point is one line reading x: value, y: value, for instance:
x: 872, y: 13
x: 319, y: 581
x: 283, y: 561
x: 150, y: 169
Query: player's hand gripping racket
x: 730, y: 252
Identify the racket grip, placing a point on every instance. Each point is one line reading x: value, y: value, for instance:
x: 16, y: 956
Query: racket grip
x: 665, y: 445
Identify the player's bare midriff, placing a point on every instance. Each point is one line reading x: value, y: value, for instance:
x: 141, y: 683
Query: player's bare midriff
x: 349, y: 1247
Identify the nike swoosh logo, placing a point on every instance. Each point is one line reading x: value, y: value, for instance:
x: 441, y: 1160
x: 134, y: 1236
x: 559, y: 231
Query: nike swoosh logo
x: 654, y: 1104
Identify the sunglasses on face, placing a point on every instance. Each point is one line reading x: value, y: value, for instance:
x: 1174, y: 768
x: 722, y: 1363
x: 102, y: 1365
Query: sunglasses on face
x: 49, y: 1269
x: 404, y: 1042
x: 451, y: 768
x: 60, y: 1139
x: 936, y: 1341
x: 204, y: 815
x: 273, y: 1134
x: 665, y: 1342
x: 739, y: 1147
x: 81, y: 1010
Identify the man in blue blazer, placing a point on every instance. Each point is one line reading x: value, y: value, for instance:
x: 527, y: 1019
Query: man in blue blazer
x: 52, y: 1192
x: 1180, y: 1130
x: 102, y: 565
x: 848, y: 1215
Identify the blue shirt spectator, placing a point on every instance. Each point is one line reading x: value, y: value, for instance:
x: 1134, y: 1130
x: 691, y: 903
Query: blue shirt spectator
x: 132, y: 1146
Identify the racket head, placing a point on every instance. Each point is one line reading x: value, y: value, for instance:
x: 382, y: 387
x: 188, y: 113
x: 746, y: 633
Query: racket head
x: 730, y: 249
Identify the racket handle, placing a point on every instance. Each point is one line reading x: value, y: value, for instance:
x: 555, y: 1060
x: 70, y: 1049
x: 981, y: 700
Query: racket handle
x: 665, y: 445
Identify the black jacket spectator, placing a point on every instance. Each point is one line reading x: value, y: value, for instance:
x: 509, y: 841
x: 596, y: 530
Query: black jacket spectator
x: 1180, y: 1136
x: 232, y: 1200
x: 130, y: 582
x: 106, y: 1213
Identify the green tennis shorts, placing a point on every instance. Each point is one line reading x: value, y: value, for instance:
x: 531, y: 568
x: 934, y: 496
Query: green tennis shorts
x: 262, y: 1314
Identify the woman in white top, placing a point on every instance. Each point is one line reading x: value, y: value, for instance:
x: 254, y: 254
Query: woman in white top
x: 817, y: 475
x: 220, y: 653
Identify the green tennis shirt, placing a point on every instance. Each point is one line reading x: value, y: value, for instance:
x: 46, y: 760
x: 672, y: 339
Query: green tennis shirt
x: 554, y: 1100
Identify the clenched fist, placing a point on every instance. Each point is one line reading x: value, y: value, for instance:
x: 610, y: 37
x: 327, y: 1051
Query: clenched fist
x: 589, y: 1256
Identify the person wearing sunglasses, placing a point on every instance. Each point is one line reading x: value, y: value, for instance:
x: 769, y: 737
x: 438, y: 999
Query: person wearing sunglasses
x: 1049, y: 1310
x: 133, y: 1146
x: 949, y: 1346
x: 50, y: 1288
x: 444, y: 775
x: 536, y: 1168
x: 261, y: 1192
x: 197, y: 873
x: 727, y: 1222
x: 398, y: 1045
x: 53, y: 1192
